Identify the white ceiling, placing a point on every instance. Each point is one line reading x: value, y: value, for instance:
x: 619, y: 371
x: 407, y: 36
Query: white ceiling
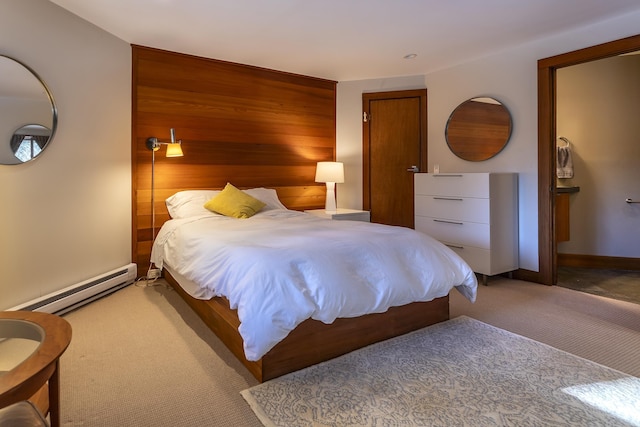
x: 342, y: 39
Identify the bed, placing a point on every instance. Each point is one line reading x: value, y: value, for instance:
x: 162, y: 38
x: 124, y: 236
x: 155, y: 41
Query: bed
x: 284, y: 289
x: 259, y: 128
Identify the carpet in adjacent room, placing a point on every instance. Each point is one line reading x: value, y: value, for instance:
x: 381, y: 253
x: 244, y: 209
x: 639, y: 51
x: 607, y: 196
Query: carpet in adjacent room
x: 461, y: 372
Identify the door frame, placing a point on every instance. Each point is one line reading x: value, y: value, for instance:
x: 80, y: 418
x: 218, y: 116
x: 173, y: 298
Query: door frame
x: 547, y: 248
x: 366, y: 164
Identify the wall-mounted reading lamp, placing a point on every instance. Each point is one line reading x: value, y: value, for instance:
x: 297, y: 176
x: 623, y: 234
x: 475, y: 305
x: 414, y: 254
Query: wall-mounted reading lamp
x: 174, y: 149
x: 330, y: 173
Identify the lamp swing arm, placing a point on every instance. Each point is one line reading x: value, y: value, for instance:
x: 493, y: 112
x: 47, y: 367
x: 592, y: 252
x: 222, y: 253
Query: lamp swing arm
x: 174, y: 149
x: 154, y: 143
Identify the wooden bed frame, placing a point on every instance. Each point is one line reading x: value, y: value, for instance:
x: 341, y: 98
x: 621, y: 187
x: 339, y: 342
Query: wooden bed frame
x: 256, y: 128
x: 313, y: 341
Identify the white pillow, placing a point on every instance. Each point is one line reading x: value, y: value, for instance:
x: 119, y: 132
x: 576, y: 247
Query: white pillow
x: 185, y: 204
x: 268, y: 196
x: 188, y: 203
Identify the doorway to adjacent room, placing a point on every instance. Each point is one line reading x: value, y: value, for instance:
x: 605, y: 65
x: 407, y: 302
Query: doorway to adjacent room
x: 547, y: 189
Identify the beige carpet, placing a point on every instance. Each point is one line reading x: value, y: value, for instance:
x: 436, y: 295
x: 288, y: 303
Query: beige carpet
x: 604, y: 330
x: 141, y: 357
x: 461, y: 372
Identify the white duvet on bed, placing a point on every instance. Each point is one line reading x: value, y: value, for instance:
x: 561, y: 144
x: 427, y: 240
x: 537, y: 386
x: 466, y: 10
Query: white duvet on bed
x: 279, y: 268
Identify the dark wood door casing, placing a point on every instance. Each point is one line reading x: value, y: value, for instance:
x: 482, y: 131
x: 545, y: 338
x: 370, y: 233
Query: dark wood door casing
x: 546, y: 145
x: 397, y: 125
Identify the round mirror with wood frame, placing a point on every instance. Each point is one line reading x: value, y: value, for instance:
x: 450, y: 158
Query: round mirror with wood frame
x: 28, y: 114
x: 478, y: 129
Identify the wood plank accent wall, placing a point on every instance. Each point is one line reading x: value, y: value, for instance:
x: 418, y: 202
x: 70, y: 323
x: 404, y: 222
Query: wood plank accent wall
x: 246, y: 125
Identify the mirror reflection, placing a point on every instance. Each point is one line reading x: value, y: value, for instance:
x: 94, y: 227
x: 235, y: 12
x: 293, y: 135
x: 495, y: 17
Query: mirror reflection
x: 29, y: 141
x: 28, y: 116
x: 478, y: 129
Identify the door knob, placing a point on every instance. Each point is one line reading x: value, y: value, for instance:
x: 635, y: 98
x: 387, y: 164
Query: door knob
x: 413, y: 169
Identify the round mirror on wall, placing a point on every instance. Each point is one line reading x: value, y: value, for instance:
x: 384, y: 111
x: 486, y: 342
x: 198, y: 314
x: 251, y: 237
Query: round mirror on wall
x: 478, y: 129
x: 28, y: 115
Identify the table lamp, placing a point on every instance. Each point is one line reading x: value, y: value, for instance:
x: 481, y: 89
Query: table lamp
x: 330, y: 173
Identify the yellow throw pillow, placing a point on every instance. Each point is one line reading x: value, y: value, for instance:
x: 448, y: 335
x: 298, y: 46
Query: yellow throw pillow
x: 235, y: 203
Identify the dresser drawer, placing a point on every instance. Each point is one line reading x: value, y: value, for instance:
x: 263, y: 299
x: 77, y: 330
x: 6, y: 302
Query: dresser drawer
x: 457, y: 232
x: 453, y: 208
x: 461, y: 184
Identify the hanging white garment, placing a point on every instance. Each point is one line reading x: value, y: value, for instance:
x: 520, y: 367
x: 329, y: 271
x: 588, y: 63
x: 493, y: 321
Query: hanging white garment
x: 564, y: 162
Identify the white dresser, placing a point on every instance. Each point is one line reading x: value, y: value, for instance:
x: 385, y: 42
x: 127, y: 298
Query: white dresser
x: 475, y: 214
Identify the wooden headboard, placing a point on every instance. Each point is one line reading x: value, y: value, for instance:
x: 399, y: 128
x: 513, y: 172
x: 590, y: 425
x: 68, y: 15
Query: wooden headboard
x: 246, y: 125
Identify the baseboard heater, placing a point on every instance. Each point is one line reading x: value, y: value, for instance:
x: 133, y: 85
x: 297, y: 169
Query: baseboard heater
x: 82, y: 293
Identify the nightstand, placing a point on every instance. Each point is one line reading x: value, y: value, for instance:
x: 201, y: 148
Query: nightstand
x: 342, y: 214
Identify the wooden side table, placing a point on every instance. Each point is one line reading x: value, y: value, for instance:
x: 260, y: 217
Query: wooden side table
x: 35, y: 377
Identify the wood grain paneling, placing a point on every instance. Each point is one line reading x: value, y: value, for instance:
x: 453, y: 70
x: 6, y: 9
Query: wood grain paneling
x: 246, y: 125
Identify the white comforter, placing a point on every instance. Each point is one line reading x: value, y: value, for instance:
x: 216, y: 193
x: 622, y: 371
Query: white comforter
x: 280, y: 268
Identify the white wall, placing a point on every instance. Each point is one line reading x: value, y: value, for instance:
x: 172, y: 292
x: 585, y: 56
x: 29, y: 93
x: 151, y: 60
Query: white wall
x: 511, y: 77
x: 598, y: 111
x: 66, y: 216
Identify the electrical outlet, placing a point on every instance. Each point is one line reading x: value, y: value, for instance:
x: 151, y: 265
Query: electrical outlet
x: 154, y: 273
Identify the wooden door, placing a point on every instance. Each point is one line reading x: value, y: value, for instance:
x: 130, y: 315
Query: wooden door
x: 394, y: 141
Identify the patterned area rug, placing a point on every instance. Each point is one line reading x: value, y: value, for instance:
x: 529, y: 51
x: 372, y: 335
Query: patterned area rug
x: 461, y: 372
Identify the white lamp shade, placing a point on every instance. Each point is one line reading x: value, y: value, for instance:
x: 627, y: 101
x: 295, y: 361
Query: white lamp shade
x: 174, y: 150
x: 330, y: 172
